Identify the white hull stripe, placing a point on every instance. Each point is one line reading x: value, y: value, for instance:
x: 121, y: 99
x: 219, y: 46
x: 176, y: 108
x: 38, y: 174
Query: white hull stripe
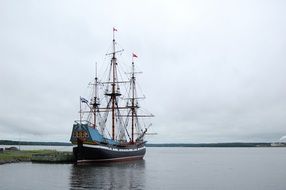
x: 110, y: 159
x: 113, y: 149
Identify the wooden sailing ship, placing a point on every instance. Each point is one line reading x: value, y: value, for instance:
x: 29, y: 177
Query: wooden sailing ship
x: 112, y: 128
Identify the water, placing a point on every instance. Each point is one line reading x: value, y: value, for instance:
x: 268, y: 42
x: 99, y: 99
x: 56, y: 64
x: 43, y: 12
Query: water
x: 163, y: 168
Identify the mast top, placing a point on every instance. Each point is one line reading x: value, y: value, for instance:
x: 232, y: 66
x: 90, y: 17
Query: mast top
x: 114, y: 30
x: 113, y: 36
x: 113, y: 45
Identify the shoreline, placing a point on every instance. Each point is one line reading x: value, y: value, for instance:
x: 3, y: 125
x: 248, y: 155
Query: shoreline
x: 40, y: 156
x: 2, y: 162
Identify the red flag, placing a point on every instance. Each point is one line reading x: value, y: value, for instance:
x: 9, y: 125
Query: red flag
x: 134, y: 55
x: 114, y: 29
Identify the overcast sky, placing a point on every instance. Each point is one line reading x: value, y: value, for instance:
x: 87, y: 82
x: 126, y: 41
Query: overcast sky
x: 214, y: 70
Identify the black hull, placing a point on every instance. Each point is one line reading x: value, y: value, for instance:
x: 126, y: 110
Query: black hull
x: 96, y: 153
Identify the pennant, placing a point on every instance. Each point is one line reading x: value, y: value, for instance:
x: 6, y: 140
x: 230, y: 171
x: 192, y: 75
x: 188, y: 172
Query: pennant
x: 114, y: 29
x: 134, y: 55
x: 83, y: 100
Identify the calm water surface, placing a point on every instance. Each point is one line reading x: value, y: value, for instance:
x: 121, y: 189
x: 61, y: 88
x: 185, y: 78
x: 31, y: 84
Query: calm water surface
x: 162, y: 168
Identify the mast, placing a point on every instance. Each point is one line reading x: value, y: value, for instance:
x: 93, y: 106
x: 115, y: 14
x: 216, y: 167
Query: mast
x: 114, y: 91
x: 80, y: 111
x: 113, y: 96
x: 95, y: 104
x: 132, y: 102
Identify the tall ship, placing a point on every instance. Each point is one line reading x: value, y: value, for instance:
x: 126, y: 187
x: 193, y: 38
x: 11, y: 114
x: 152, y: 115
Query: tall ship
x: 112, y: 124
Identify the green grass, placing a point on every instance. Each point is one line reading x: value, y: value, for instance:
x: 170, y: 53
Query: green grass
x: 23, y: 155
x: 54, y: 157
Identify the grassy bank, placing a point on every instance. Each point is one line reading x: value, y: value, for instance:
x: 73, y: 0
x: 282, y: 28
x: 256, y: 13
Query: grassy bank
x: 35, y: 156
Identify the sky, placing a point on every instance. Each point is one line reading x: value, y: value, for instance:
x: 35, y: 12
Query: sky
x: 213, y: 70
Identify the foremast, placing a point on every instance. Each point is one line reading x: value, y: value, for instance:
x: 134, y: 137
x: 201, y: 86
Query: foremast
x: 95, y: 102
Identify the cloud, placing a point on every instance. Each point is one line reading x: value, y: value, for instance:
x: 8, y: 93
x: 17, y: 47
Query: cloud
x: 211, y: 73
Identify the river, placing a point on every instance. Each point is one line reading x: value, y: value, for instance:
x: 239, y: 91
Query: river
x: 162, y: 168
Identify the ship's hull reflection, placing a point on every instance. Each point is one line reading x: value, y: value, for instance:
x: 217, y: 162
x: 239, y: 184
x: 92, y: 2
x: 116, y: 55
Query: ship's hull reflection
x: 119, y: 175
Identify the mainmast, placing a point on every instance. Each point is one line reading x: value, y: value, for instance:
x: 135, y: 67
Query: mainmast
x: 114, y: 89
x: 113, y: 93
x: 113, y: 63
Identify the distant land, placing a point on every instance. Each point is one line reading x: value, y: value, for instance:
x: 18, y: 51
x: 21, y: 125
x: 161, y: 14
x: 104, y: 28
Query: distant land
x: 230, y: 144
